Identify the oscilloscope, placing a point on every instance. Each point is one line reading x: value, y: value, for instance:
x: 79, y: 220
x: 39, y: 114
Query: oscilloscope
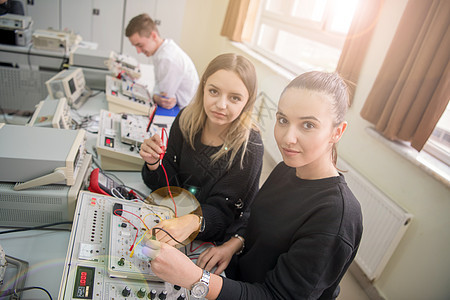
x: 70, y: 84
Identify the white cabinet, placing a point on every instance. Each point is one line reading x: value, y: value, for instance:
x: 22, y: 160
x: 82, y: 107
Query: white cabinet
x: 45, y: 13
x: 98, y: 21
x: 170, y: 13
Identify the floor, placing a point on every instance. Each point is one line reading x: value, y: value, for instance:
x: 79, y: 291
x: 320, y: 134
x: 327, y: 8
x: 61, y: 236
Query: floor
x: 350, y: 288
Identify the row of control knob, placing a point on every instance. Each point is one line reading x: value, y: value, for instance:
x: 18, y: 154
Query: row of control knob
x: 152, y: 295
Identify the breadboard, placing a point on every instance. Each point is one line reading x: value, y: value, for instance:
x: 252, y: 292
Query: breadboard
x: 114, y: 154
x: 118, y: 102
x: 123, y: 261
x: 133, y: 129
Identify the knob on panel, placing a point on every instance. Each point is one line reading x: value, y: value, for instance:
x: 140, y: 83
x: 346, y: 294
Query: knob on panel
x: 126, y: 292
x: 152, y: 294
x: 141, y: 293
x: 163, y: 295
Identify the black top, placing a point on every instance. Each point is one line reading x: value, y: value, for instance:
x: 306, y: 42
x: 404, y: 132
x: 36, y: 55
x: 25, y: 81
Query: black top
x: 301, y: 238
x: 224, y: 195
x: 12, y: 7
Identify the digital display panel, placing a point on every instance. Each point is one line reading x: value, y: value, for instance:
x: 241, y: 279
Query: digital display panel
x: 84, y: 283
x: 72, y: 86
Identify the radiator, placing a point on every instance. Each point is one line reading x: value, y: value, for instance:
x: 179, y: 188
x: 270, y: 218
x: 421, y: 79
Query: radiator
x: 385, y: 223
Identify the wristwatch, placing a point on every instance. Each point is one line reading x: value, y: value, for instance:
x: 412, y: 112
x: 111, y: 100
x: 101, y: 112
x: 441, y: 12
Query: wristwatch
x: 200, y: 289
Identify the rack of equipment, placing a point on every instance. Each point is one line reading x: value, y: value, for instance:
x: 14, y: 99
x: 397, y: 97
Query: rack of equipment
x: 15, y: 29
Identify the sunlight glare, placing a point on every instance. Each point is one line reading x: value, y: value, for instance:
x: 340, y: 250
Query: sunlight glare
x: 342, y: 15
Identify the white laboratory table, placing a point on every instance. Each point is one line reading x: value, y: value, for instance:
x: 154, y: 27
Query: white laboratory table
x: 45, y: 250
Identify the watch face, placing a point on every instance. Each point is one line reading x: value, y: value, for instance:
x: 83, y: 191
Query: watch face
x: 199, y: 290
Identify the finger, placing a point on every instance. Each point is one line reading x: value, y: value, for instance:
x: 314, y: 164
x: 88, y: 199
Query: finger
x: 156, y: 97
x: 161, y: 236
x: 148, y: 157
x: 151, y: 249
x: 153, y: 244
x: 150, y: 253
x: 172, y: 243
x: 220, y: 268
x: 148, y: 151
x: 165, y: 239
x: 164, y: 104
x: 211, y: 264
x: 203, y: 259
x: 156, y: 139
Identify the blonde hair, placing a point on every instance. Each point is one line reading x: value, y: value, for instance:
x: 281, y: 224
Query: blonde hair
x: 142, y: 24
x: 193, y: 118
x: 331, y: 84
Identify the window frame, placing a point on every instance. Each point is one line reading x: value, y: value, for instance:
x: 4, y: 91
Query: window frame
x: 435, y: 146
x: 314, y: 31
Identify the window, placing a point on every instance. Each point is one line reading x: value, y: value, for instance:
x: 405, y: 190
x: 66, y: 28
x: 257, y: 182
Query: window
x: 438, y: 145
x: 301, y: 35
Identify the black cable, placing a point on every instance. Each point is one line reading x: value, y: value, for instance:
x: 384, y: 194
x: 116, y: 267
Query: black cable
x: 139, y: 192
x: 159, y: 228
x: 15, y: 291
x: 64, y: 62
x: 123, y: 185
x: 36, y: 227
x: 28, y: 56
x: 4, y: 115
x: 95, y: 94
x: 95, y: 160
x: 108, y: 174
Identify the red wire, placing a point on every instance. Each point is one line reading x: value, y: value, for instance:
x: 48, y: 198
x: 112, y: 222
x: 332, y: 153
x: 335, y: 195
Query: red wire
x: 137, y: 230
x: 164, y: 169
x: 204, y: 243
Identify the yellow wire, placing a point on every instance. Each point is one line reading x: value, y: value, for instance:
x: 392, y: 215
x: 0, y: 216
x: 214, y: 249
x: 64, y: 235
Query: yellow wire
x: 154, y: 214
x: 132, y: 252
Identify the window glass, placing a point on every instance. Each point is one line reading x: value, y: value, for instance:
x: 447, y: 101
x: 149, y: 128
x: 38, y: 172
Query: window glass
x: 438, y: 145
x: 303, y: 33
x: 310, y: 10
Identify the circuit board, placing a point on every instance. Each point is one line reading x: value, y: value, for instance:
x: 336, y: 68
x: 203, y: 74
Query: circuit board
x: 100, y: 262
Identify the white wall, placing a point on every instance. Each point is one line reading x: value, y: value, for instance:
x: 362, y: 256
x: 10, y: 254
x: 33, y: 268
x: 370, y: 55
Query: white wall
x: 420, y: 267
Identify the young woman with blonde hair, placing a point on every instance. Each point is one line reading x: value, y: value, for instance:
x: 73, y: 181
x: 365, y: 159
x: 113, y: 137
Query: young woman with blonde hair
x: 215, y: 149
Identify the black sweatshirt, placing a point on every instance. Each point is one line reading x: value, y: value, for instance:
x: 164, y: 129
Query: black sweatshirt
x: 224, y: 195
x: 301, y: 238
